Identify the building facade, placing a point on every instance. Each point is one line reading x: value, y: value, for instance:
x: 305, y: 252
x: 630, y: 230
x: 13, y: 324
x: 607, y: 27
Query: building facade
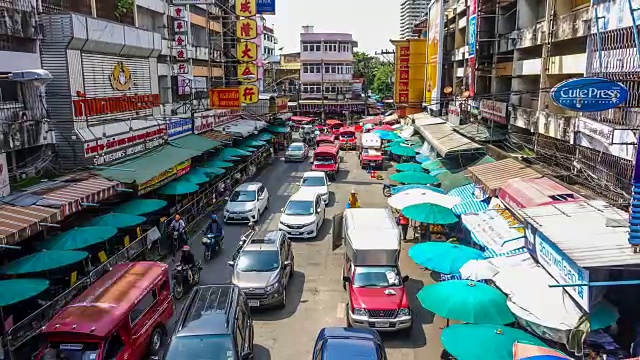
x: 410, y: 12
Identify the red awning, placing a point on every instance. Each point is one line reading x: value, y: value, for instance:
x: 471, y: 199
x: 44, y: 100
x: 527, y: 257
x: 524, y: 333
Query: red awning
x: 18, y: 223
x: 72, y: 197
x: 526, y: 193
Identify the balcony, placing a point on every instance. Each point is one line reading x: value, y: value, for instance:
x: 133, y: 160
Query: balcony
x: 23, y: 120
x: 104, y: 9
x: 573, y: 25
x: 329, y: 56
x: 531, y: 36
x: 18, y: 18
x: 568, y: 64
x: 325, y: 77
x: 528, y: 67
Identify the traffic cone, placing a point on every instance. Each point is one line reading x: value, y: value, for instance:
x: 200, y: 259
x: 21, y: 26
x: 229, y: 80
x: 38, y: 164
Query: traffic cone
x: 373, y: 174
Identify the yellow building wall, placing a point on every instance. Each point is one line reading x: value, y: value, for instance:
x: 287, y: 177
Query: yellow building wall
x: 417, y: 62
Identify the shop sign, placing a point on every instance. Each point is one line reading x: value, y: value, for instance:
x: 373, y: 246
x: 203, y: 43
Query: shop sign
x: 249, y: 93
x: 87, y: 107
x: 165, y: 176
x: 179, y: 12
x: 224, y: 98
x: 596, y: 130
x: 130, y: 151
x: 402, y: 77
x: 207, y: 120
x: 494, y: 110
x: 454, y: 114
x: 121, y: 77
x: 121, y: 141
x: 494, y: 227
x: 589, y: 94
x: 5, y: 188
x: 266, y: 7
x: 246, y: 29
x: 179, y: 127
x: 246, y: 8
x: 563, y: 269
x: 180, y: 69
x: 278, y: 104
x: 247, y: 72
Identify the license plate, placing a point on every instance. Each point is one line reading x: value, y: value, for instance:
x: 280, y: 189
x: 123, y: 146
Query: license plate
x: 235, y: 216
x: 295, y: 233
x: 382, y: 324
x: 254, y: 303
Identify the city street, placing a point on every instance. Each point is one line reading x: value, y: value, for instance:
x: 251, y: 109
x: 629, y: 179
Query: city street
x: 316, y: 298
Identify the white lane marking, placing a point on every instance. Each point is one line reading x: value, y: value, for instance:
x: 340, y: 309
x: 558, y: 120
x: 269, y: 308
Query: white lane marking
x: 340, y: 311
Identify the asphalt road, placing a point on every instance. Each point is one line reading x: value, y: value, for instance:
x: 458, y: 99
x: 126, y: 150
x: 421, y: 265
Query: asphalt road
x: 315, y: 295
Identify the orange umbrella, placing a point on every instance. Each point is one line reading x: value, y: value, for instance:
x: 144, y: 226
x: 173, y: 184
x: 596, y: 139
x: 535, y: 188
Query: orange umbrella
x: 533, y: 352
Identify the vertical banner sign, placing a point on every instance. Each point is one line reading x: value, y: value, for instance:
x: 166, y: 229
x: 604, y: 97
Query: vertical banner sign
x: 247, y: 51
x: 179, y: 48
x: 404, y: 56
x: 471, y: 43
x: 634, y: 217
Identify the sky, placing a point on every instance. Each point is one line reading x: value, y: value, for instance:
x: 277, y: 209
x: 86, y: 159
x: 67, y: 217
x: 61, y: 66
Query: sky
x: 372, y: 23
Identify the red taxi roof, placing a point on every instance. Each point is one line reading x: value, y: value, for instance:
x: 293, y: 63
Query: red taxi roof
x: 327, y: 148
x: 301, y: 118
x: 326, y: 137
x: 100, y: 308
x: 348, y: 128
x: 332, y: 122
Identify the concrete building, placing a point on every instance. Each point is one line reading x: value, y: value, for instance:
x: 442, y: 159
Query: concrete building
x: 410, y: 12
x: 269, y: 40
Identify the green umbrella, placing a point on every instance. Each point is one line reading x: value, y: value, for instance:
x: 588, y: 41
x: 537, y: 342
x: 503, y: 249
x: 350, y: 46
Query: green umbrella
x: 43, y: 261
x: 413, y: 177
x: 480, y: 341
x: 16, y: 290
x: 278, y: 129
x: 409, y: 167
x: 430, y: 214
x: 233, y: 152
x: 210, y: 171
x: 602, y: 315
x: 254, y: 143
x: 466, y: 301
x: 247, y: 149
x: 262, y: 137
x: 218, y: 164
x: 432, y: 165
x: 225, y: 158
x: 140, y: 206
x: 79, y: 238
x: 178, y: 188
x: 195, y: 178
x: 117, y: 220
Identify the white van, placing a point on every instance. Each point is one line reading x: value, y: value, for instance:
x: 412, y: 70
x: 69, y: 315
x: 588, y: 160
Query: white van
x: 303, y: 215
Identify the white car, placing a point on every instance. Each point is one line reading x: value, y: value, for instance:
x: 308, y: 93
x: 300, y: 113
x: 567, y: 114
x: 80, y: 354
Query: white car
x: 317, y: 181
x: 303, y: 215
x: 247, y: 202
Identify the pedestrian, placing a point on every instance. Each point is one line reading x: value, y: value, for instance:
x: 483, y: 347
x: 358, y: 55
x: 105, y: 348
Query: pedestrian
x: 403, y: 221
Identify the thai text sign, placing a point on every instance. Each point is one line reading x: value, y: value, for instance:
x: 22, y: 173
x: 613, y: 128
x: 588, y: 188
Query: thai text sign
x: 179, y: 127
x: 225, y: 98
x: 129, y: 151
x: 207, y: 120
x: 87, y: 107
x: 563, y: 269
x: 165, y: 176
x: 404, y: 53
x: 122, y: 141
x: 494, y: 110
x: 589, y: 94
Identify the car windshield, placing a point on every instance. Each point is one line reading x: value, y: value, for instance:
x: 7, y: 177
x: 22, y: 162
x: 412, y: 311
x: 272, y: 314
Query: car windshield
x: 324, y: 160
x: 313, y: 181
x: 298, y: 207
x: 243, y: 196
x: 77, y: 351
x: 258, y: 261
x: 296, y: 148
x: 376, y: 276
x: 201, y: 347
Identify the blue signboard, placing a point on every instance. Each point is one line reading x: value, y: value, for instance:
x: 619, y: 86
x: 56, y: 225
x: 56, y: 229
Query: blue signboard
x: 472, y: 35
x: 178, y: 127
x: 266, y: 7
x: 589, y: 94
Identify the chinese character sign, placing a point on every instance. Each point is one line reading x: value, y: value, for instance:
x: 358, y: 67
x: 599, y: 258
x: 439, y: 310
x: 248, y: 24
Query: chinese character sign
x: 246, y: 29
x: 179, y: 12
x: 246, y: 8
x: 249, y: 94
x: 247, y: 51
x: 247, y: 72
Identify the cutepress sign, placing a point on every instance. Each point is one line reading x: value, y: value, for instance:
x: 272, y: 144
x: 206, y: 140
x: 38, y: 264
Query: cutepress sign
x: 590, y: 94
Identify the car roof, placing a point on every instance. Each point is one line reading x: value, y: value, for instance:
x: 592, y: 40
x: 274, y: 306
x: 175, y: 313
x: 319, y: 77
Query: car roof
x: 249, y: 186
x: 351, y: 343
x: 304, y: 194
x: 297, y: 143
x: 313, y: 174
x: 350, y: 333
x: 208, y: 310
x: 264, y: 241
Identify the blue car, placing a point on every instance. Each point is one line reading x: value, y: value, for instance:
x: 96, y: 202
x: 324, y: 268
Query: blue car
x: 338, y: 343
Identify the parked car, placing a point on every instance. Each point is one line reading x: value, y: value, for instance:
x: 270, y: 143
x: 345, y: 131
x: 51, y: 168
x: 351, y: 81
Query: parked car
x: 296, y: 152
x: 316, y: 180
x: 303, y: 215
x: 263, y: 269
x: 247, y: 202
x: 215, y: 321
x: 348, y: 343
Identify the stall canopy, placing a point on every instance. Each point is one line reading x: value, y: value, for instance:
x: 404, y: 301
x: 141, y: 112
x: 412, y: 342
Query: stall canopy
x: 71, y: 197
x: 18, y: 223
x: 242, y: 128
x: 481, y: 133
x: 196, y: 143
x: 423, y: 118
x: 496, y: 174
x: 446, y: 141
x: 526, y: 193
x: 218, y: 136
x: 146, y: 167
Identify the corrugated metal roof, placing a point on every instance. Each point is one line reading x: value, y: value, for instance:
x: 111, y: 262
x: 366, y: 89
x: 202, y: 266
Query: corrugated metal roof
x: 494, y: 175
x: 423, y: 118
x: 445, y: 140
x: 584, y: 231
x: 480, y: 132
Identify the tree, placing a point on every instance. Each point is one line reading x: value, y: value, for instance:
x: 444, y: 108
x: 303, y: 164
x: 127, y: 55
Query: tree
x: 382, y: 85
x: 365, y: 66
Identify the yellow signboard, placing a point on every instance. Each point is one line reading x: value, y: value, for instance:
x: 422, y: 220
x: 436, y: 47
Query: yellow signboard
x: 249, y: 94
x: 247, y: 72
x: 165, y: 176
x: 247, y: 51
x: 246, y: 8
x: 410, y: 69
x: 246, y: 29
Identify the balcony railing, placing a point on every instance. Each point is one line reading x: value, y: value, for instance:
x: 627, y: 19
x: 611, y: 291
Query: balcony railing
x: 104, y: 9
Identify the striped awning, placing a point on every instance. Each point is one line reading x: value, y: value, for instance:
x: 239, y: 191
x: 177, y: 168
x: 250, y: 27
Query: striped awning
x: 468, y: 192
x: 493, y: 176
x: 490, y: 253
x: 469, y: 207
x: 92, y: 191
x: 18, y: 223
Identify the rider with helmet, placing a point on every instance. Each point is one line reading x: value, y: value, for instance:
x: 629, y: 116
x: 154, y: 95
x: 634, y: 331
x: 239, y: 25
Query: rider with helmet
x: 215, y: 227
x: 178, y: 225
x: 188, y: 261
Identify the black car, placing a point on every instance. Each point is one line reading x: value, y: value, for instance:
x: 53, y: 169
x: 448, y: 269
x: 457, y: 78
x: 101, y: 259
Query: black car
x: 214, y: 321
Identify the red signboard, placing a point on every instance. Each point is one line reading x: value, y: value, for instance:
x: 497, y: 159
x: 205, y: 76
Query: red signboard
x: 403, y: 75
x: 405, y: 51
x: 86, y: 107
x: 403, y: 86
x: 403, y: 98
x: 224, y: 98
x: 122, y: 141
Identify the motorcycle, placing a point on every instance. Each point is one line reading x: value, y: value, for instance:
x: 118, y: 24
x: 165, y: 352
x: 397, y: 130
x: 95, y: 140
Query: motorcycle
x: 176, y: 241
x: 386, y: 189
x: 181, y: 279
x: 212, y: 245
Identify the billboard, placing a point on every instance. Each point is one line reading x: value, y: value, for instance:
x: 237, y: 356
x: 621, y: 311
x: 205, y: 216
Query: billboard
x: 410, y: 64
x: 434, y: 30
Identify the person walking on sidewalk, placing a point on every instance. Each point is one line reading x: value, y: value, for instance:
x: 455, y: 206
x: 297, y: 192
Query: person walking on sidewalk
x: 404, y: 225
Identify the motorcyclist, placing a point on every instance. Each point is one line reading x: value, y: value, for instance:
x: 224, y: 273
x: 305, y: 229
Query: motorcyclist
x: 188, y: 261
x: 353, y: 200
x: 214, y: 227
x: 178, y: 225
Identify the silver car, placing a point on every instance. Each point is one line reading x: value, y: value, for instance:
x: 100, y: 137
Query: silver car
x: 296, y: 152
x: 263, y: 269
x: 247, y: 202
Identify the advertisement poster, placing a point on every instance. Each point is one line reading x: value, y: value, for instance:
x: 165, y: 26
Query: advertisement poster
x: 432, y: 82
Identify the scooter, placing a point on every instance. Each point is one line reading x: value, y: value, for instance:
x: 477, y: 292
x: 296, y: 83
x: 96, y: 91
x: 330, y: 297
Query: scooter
x: 386, y: 189
x: 180, y: 278
x: 212, y: 245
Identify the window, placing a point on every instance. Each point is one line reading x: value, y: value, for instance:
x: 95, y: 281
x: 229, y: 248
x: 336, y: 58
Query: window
x: 327, y: 68
x: 334, y: 69
x: 330, y: 46
x: 9, y: 91
x: 305, y: 47
x: 145, y: 303
x: 114, y: 346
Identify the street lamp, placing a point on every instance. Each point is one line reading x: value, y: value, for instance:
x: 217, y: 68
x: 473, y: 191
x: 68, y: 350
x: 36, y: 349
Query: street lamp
x: 38, y: 77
